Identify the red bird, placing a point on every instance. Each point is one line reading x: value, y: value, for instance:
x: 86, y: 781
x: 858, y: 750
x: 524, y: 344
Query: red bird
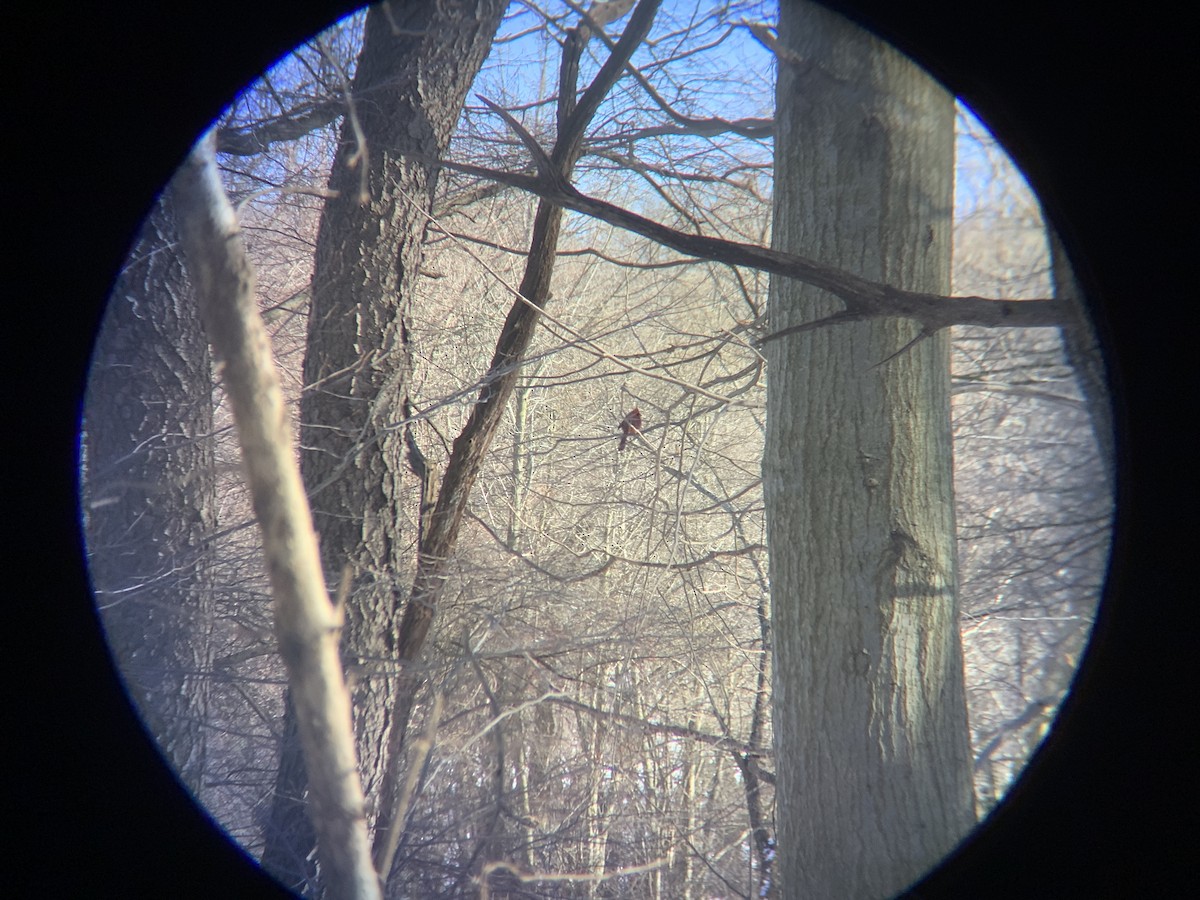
x: 631, y: 424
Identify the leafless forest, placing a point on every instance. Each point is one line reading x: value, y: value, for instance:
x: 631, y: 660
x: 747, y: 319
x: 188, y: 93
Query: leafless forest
x: 568, y: 693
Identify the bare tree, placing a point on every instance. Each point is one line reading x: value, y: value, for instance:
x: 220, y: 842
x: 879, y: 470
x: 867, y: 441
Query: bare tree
x: 871, y: 719
x: 439, y: 539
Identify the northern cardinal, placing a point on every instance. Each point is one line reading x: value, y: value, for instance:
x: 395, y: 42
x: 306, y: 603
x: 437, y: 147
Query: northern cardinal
x: 631, y: 424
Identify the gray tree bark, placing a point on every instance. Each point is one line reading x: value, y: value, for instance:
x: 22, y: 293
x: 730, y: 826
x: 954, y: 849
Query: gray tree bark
x: 871, y: 740
x: 415, y: 67
x: 149, y: 491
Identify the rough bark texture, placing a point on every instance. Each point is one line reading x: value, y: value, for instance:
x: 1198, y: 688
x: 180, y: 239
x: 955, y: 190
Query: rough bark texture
x: 871, y: 735
x: 407, y: 93
x: 149, y: 503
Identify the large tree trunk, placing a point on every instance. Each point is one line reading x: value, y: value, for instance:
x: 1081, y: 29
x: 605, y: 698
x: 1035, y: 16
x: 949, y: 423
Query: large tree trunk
x: 870, y: 720
x: 417, y: 62
x: 149, y: 482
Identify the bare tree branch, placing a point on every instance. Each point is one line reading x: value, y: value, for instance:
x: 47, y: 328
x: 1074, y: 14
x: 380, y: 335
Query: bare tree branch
x: 863, y: 299
x: 421, y: 751
x: 248, y: 140
x: 706, y: 127
x: 307, y: 624
x: 680, y: 731
x: 500, y: 866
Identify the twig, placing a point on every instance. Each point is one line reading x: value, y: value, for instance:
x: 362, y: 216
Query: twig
x: 596, y: 877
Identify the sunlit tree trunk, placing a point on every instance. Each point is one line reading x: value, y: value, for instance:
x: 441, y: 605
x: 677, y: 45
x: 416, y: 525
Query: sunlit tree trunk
x: 871, y: 735
x: 149, y: 491
x: 688, y: 802
x: 526, y: 764
x: 416, y: 65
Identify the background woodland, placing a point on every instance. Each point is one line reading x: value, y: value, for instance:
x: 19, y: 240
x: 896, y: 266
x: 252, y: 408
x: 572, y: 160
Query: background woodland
x: 589, y: 712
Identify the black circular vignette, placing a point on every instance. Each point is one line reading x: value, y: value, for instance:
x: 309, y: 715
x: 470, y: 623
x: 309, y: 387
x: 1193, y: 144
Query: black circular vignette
x: 103, y: 105
x: 107, y: 102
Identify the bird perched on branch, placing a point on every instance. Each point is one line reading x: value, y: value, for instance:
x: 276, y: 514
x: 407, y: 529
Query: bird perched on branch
x: 631, y: 424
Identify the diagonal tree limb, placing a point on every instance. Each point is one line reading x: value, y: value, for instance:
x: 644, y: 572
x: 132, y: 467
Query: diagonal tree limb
x: 545, y: 168
x: 571, y: 131
x: 705, y: 127
x: 248, y: 140
x: 307, y: 624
